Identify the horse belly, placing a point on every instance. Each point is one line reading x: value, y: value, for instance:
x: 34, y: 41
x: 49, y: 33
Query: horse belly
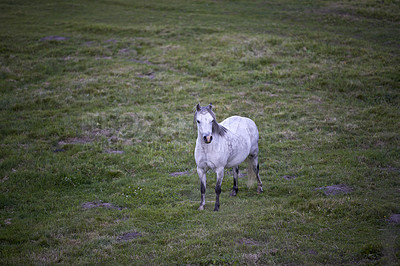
x: 236, y: 161
x: 240, y: 141
x: 240, y: 149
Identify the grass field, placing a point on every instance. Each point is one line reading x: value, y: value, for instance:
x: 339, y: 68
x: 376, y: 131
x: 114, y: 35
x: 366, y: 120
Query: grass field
x: 97, y: 136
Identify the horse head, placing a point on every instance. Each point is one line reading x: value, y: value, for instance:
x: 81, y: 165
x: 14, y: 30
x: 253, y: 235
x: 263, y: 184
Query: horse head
x: 207, y: 125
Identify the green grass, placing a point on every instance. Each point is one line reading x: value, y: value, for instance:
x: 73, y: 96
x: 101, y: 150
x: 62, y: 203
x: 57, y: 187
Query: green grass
x: 106, y: 115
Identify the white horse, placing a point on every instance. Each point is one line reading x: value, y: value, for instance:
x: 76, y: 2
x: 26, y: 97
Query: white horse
x: 224, y: 145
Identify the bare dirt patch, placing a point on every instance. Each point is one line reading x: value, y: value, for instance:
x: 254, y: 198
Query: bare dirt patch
x: 54, y: 38
x: 129, y: 236
x: 289, y: 177
x: 312, y: 252
x: 253, y: 258
x: 143, y: 62
x: 335, y: 189
x: 179, y: 173
x: 394, y: 219
x: 288, y: 134
x: 114, y: 152
x: 127, y: 52
x: 91, y: 136
x: 81, y: 140
x: 111, y: 41
x: 149, y: 75
x: 248, y: 242
x: 91, y: 205
x: 390, y: 169
x: 107, y: 132
x: 4, y: 179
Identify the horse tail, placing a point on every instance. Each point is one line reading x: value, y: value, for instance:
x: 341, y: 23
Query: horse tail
x: 251, y: 174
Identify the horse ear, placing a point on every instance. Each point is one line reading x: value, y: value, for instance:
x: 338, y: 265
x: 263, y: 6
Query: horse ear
x: 198, y: 107
x: 210, y: 106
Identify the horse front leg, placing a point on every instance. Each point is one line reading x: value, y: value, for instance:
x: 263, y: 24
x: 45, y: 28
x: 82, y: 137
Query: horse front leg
x: 235, y: 188
x: 220, y: 176
x: 203, y: 183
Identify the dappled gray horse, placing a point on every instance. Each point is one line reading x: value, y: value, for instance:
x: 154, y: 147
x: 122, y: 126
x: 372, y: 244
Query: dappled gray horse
x: 224, y: 145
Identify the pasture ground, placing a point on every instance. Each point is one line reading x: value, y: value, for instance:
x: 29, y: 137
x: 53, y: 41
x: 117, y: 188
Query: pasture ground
x: 97, y: 137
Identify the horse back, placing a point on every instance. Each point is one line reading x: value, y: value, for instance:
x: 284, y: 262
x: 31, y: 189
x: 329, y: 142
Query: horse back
x: 244, y: 127
x: 241, y: 125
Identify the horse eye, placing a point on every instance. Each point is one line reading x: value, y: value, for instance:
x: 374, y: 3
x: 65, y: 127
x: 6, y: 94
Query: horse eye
x: 198, y: 122
x: 213, y: 121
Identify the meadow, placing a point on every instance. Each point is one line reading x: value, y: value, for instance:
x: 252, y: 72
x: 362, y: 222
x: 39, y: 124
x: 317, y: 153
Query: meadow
x: 97, y: 135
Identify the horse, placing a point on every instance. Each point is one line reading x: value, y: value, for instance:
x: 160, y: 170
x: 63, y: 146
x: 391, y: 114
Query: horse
x: 224, y: 145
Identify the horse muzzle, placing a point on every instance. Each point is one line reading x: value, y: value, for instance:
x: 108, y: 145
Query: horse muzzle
x: 208, y: 139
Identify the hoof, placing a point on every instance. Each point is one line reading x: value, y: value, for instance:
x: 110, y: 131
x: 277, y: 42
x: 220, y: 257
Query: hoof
x: 233, y: 193
x: 259, y: 190
x: 201, y: 208
x: 216, y: 209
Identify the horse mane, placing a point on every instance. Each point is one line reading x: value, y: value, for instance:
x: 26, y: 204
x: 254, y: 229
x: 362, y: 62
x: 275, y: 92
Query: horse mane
x: 216, y: 128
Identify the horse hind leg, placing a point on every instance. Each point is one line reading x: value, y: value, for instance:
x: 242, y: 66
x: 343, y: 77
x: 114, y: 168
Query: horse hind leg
x: 256, y: 169
x: 235, y: 187
x: 259, y: 185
